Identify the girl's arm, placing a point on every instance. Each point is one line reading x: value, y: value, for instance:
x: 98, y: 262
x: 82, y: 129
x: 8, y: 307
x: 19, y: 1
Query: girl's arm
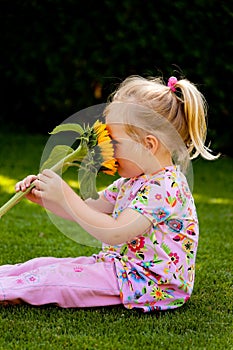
x: 101, y: 204
x: 50, y: 190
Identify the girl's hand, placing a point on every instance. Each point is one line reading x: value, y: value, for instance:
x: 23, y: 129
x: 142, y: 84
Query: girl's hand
x: 50, y: 188
x: 24, y: 184
x: 49, y: 191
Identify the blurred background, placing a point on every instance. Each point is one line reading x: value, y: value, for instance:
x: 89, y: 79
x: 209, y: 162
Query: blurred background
x: 60, y: 56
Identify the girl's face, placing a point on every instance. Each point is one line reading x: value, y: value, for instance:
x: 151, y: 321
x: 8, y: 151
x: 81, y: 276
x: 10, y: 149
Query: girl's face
x: 127, y: 152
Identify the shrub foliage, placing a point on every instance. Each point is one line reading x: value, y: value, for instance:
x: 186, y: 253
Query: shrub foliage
x: 59, y: 56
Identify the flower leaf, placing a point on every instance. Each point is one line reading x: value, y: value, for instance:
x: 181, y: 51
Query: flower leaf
x: 68, y: 127
x: 58, y: 152
x: 87, y: 183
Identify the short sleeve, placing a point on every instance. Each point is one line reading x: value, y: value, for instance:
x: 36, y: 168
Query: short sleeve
x: 112, y: 191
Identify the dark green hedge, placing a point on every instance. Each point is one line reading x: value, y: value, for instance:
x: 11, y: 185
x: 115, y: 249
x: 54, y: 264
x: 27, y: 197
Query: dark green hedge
x: 59, y: 56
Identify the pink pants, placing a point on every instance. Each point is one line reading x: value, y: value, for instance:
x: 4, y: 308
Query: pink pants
x: 66, y: 282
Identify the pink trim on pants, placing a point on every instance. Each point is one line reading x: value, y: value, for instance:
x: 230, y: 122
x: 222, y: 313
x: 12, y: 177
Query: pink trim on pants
x: 66, y: 282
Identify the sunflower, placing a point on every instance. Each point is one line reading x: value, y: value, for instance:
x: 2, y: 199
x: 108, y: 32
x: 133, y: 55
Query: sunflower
x: 99, y: 158
x: 94, y: 154
x: 105, y: 145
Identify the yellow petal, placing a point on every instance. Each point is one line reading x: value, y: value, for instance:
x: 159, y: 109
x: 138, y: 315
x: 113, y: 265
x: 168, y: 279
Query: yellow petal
x: 106, y: 147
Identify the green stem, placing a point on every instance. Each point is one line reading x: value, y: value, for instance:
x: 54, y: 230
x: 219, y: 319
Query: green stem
x: 14, y: 200
x: 76, y: 155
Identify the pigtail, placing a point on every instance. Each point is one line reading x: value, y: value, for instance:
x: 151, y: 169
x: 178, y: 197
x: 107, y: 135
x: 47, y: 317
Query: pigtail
x: 195, y: 113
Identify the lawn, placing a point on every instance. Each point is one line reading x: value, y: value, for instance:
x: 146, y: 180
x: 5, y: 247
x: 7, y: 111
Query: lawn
x: 205, y: 322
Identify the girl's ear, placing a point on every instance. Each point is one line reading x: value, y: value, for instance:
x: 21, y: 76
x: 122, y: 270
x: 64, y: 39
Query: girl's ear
x: 151, y: 143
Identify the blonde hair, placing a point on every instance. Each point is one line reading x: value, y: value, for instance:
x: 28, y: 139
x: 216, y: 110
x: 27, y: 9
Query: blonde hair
x: 185, y: 109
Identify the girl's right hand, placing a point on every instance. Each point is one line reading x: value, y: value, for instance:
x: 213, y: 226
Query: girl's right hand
x: 25, y: 183
x: 23, y: 186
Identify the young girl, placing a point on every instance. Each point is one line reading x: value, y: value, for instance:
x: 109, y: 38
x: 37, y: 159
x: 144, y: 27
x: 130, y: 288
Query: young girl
x: 146, y: 219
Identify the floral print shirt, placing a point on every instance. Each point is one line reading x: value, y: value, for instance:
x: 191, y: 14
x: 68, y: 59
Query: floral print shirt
x: 155, y: 270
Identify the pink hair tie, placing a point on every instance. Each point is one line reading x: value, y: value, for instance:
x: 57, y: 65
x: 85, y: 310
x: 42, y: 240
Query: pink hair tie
x: 171, y: 83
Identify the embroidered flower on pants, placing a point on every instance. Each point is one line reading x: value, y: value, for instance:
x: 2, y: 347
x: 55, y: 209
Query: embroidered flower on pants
x: 32, y: 278
x: 20, y: 281
x: 78, y: 269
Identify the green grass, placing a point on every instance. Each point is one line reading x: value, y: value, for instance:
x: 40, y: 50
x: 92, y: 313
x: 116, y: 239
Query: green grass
x: 205, y: 322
